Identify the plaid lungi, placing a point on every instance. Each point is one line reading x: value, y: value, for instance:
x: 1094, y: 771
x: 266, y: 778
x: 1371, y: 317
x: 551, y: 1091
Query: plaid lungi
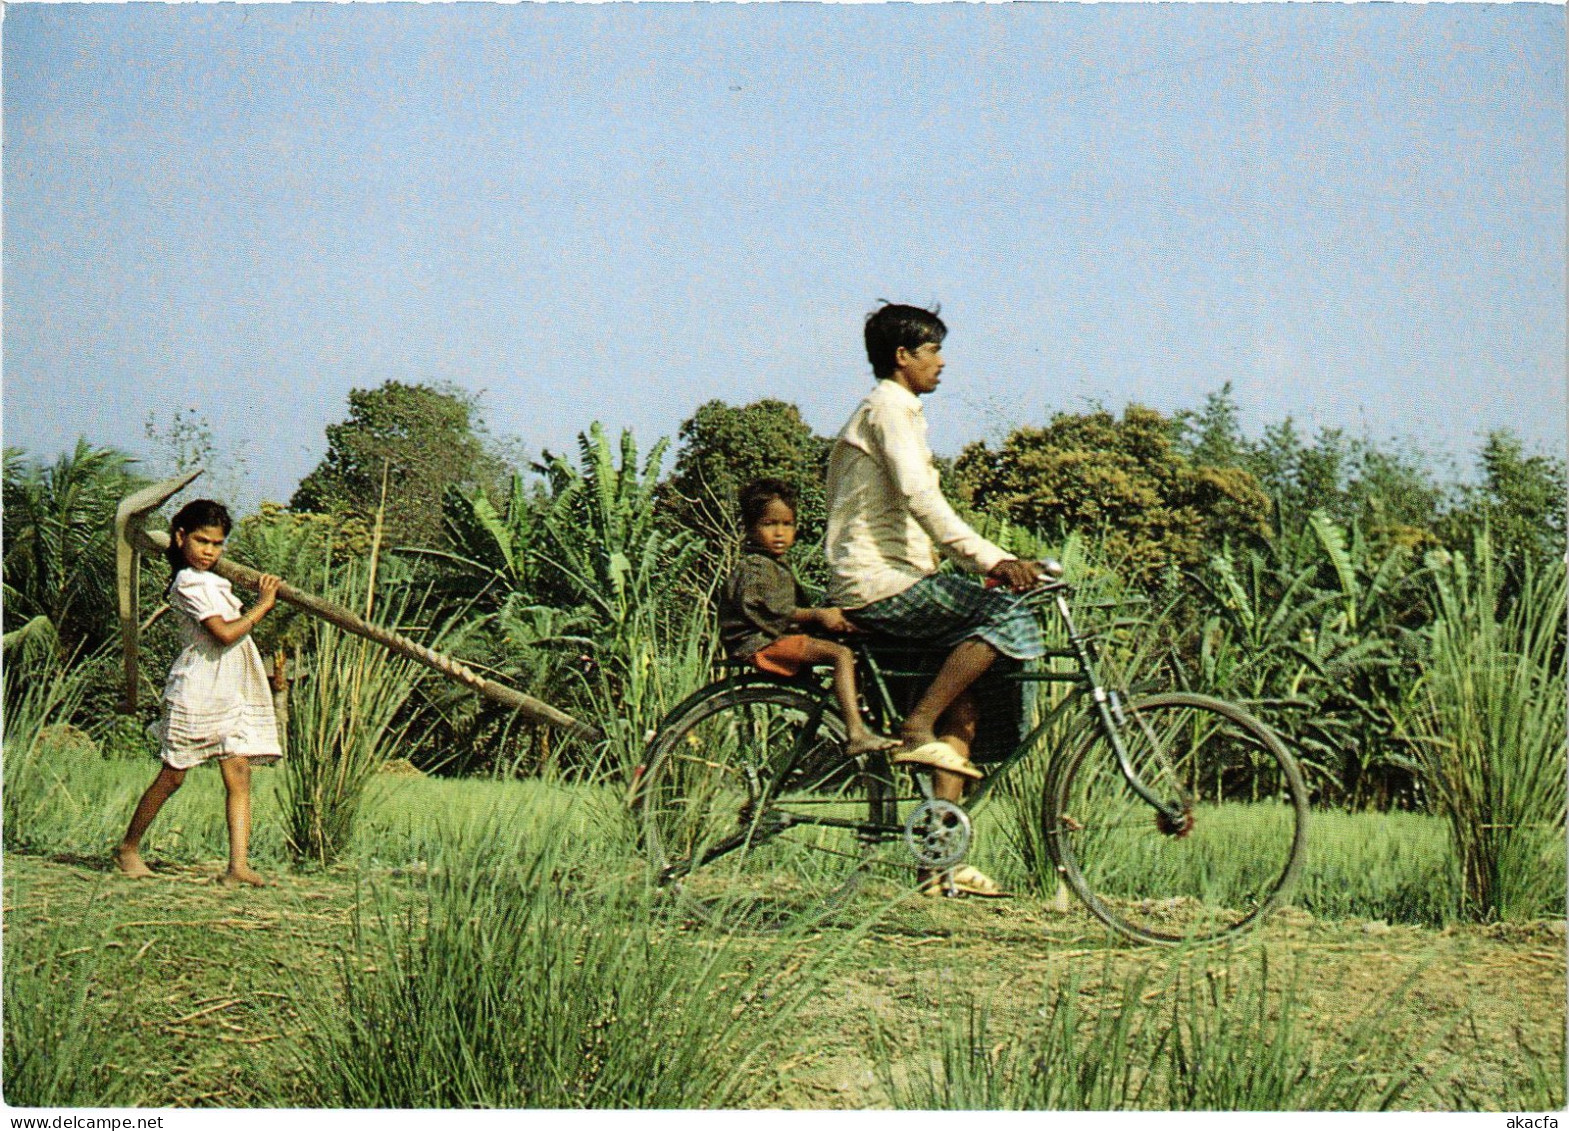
x: 945, y: 608
x: 940, y: 611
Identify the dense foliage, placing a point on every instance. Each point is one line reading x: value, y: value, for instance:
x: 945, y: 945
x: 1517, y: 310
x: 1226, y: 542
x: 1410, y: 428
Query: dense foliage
x: 1298, y: 576
x: 1124, y: 482
x: 722, y: 448
x: 59, y: 542
x: 416, y: 440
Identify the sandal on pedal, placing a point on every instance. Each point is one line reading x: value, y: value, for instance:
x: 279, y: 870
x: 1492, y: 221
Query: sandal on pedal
x: 961, y: 882
x: 972, y: 881
x: 940, y: 756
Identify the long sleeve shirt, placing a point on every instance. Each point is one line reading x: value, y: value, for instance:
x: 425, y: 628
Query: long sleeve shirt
x: 757, y: 604
x: 887, y: 518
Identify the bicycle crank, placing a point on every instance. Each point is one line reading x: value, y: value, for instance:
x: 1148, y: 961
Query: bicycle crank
x: 938, y: 833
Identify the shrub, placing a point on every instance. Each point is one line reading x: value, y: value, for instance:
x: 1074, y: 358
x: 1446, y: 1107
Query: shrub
x: 1488, y: 722
x: 526, y: 979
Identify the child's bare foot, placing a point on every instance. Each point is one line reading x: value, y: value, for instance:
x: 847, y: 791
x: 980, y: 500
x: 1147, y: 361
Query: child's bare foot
x: 130, y: 863
x: 868, y: 741
x: 234, y: 877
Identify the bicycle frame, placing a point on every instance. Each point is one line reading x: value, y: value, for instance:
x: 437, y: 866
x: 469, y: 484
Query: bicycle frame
x: 766, y: 757
x: 1085, y: 680
x: 1108, y: 706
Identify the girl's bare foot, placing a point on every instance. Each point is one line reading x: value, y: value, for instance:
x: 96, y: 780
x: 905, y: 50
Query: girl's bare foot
x: 868, y: 741
x: 234, y: 877
x: 130, y: 863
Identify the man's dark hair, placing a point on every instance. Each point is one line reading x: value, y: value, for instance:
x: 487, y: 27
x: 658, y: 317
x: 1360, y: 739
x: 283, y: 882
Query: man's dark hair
x: 893, y: 326
x: 193, y: 516
x: 756, y: 496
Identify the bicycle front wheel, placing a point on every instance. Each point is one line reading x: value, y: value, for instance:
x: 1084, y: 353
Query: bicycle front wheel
x: 1216, y: 869
x: 753, y: 812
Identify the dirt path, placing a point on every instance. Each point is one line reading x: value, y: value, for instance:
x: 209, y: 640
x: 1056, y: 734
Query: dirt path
x: 207, y: 977
x: 1480, y: 1004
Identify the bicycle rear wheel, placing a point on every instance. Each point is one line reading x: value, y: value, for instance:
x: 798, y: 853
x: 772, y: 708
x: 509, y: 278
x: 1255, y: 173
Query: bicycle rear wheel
x: 1216, y: 871
x: 753, y: 812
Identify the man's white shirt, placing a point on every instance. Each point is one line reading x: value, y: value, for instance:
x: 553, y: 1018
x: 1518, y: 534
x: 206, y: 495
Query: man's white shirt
x: 887, y: 518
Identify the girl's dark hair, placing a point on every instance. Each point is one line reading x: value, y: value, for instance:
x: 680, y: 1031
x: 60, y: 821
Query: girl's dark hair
x: 892, y: 326
x: 756, y: 496
x: 192, y: 516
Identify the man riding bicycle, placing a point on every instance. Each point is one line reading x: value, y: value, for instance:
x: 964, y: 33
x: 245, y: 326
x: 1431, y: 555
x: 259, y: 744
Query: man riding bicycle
x: 887, y: 523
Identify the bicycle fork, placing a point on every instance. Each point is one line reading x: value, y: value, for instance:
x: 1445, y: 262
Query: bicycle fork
x: 1171, y: 816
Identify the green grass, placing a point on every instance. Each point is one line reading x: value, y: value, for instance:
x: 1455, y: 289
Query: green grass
x: 82, y: 802
x: 58, y: 1051
x: 494, y: 943
x: 529, y: 975
x: 1398, y: 867
x: 1204, y: 1036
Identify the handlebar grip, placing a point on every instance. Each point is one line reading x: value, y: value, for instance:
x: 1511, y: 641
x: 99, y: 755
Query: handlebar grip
x: 1050, y: 570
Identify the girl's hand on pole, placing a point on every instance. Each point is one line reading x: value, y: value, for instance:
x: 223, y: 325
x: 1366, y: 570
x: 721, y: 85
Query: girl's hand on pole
x: 267, y: 587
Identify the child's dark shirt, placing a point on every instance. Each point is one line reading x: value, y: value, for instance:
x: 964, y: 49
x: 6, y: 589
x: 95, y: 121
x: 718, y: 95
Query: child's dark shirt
x: 756, y: 604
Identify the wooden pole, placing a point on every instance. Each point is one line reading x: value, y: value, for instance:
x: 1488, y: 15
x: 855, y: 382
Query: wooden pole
x: 157, y: 541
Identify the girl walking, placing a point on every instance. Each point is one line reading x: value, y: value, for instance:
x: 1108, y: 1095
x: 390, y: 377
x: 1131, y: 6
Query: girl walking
x: 217, y: 704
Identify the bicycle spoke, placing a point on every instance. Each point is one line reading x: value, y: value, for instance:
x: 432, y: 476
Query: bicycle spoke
x: 1214, y: 870
x: 753, y: 811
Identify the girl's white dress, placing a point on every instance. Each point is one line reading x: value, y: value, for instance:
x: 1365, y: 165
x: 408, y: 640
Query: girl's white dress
x: 217, y: 702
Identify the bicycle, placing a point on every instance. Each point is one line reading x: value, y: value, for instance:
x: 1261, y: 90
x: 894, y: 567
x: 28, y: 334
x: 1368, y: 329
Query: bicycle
x: 1173, y: 817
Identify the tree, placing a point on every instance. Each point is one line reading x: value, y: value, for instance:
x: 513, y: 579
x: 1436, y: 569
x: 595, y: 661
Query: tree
x: 1213, y: 434
x: 426, y: 437
x: 1389, y: 490
x: 1123, y: 480
x: 185, y: 442
x: 1520, y: 500
x: 722, y: 448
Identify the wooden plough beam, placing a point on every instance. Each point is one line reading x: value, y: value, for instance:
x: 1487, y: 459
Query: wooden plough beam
x: 132, y: 539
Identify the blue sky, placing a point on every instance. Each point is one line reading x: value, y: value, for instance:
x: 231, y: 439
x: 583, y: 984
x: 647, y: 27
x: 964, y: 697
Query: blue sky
x: 1355, y: 214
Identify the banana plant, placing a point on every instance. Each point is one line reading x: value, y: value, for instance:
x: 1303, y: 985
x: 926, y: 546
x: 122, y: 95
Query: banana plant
x: 495, y: 544
x: 599, y: 534
x: 603, y: 550
x: 1309, y: 631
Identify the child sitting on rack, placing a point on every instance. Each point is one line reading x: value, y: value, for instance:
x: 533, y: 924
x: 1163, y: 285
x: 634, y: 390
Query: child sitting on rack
x: 762, y: 608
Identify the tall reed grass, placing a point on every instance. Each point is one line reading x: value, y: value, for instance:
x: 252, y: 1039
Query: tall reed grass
x: 665, y: 652
x: 1202, y: 1037
x: 530, y: 975
x: 57, y: 1052
x: 42, y: 695
x: 1489, y: 728
x: 344, y: 725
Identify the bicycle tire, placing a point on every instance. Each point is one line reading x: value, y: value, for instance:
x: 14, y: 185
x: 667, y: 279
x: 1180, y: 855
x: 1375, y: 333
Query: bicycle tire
x: 1150, y: 878
x: 738, y: 845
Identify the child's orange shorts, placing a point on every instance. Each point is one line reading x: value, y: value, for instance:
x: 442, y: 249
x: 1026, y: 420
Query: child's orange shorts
x: 784, y: 656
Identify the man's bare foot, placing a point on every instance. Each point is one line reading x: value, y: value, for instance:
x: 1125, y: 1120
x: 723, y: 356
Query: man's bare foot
x: 911, y: 737
x: 130, y: 863
x: 235, y: 877
x: 869, y: 741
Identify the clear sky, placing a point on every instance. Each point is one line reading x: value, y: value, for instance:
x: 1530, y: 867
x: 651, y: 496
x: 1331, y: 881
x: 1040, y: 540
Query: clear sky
x: 1355, y: 214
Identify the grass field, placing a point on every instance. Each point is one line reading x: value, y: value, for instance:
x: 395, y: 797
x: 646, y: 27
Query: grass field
x: 496, y: 944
